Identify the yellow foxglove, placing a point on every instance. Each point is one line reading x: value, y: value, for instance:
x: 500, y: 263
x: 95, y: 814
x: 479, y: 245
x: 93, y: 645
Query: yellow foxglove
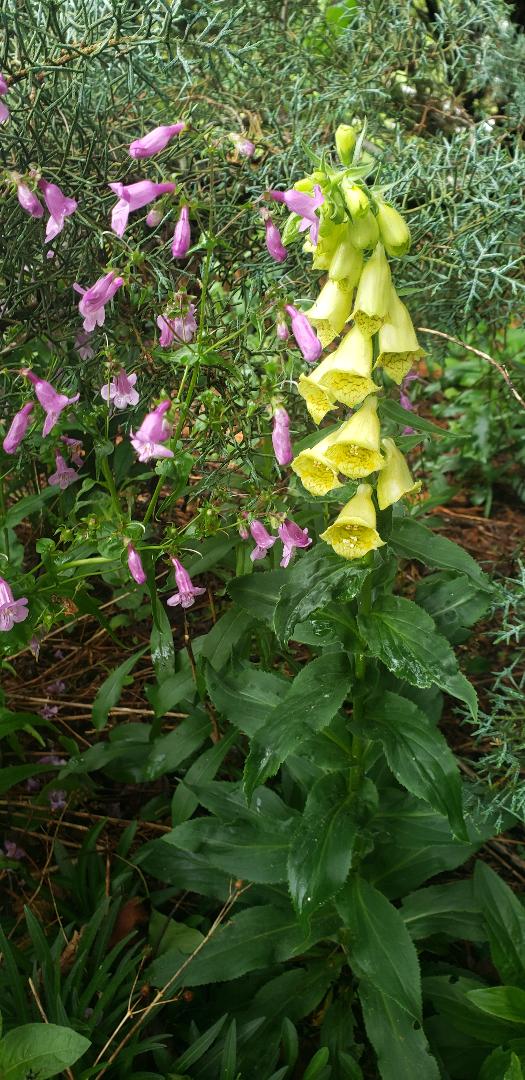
x: 395, y: 233
x: 373, y: 293
x: 355, y: 198
x: 398, y: 344
x: 330, y: 235
x: 347, y: 263
x: 364, y: 232
x: 353, y: 534
x: 395, y: 479
x: 313, y: 468
x: 318, y: 399
x: 345, y: 140
x: 356, y: 450
x: 345, y: 375
x: 330, y: 311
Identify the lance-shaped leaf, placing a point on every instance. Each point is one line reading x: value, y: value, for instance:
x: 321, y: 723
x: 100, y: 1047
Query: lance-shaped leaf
x: 412, y: 540
x: 321, y: 850
x: 399, y: 1042
x: 109, y: 693
x: 315, y: 579
x: 504, y: 917
x: 258, y: 593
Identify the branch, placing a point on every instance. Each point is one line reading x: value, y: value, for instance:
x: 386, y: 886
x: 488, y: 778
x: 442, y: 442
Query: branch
x: 75, y: 51
x: 478, y: 352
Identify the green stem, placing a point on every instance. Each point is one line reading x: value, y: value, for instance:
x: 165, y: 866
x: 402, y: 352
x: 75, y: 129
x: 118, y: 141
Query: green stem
x: 108, y: 476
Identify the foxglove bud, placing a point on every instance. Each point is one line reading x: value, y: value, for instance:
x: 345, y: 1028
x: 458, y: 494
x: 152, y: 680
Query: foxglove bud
x: 331, y: 310
x: 394, y: 480
x: 373, y: 293
x: 398, y: 345
x: 395, y: 233
x: 330, y: 236
x: 153, y: 218
x: 290, y: 231
x: 356, y: 199
x: 364, y: 232
x: 353, y: 533
x: 317, y: 474
x: 355, y: 451
x: 345, y: 140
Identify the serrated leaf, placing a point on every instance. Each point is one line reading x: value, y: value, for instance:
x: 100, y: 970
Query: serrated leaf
x: 412, y: 540
x: 221, y: 640
x: 322, y: 848
x: 252, y: 852
x: 505, y: 921
x: 258, y: 593
x: 450, y: 909
x: 109, y: 693
x: 317, y: 578
x: 399, y: 1042
x: 245, y: 694
x: 455, y: 604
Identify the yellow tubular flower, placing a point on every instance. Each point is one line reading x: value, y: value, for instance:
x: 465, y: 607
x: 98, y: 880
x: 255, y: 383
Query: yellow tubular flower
x: 353, y: 534
x: 365, y: 231
x: 347, y: 263
x: 345, y: 375
x: 330, y: 235
x: 318, y: 399
x: 373, y: 293
x: 398, y: 344
x: 395, y: 479
x: 315, y: 471
x: 394, y: 230
x: 355, y: 198
x: 330, y: 311
x: 355, y: 452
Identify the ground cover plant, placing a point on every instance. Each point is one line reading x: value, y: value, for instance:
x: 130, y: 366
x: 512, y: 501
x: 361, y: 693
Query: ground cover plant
x: 240, y: 825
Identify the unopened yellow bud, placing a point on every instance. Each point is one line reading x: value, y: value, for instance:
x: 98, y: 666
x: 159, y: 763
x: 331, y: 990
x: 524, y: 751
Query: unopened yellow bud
x: 395, y: 479
x: 345, y: 140
x: 318, y: 399
x: 315, y: 471
x: 364, y: 232
x: 355, y: 452
x: 355, y: 198
x: 331, y: 311
x: 307, y: 183
x: 398, y: 344
x: 394, y: 230
x: 346, y: 374
x: 347, y: 263
x: 353, y: 533
x: 373, y: 293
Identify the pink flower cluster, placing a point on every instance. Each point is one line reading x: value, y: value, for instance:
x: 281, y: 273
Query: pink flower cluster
x: 291, y: 535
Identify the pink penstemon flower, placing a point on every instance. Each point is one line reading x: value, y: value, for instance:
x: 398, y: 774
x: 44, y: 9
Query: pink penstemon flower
x: 120, y: 391
x: 28, y: 200
x: 152, y: 433
x: 182, y: 235
x: 135, y: 566
x: 92, y: 304
x: 64, y: 475
x: 18, y: 428
x: 181, y: 327
x: 82, y: 344
x: 281, y: 441
x: 187, y: 591
x: 60, y: 207
x: 299, y: 202
x: 74, y: 447
x: 51, y: 401
x: 11, y: 611
x: 263, y: 540
x: 304, y: 335
x: 155, y: 140
x: 133, y: 197
x: 292, y: 537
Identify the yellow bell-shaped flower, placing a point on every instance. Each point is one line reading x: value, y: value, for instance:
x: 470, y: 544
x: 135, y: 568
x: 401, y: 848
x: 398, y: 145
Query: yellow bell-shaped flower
x: 398, y: 344
x: 345, y: 375
x: 353, y: 534
x: 356, y: 450
x: 364, y: 232
x: 395, y: 233
x: 330, y: 311
x: 346, y: 263
x: 313, y: 468
x: 330, y: 235
x: 318, y: 399
x: 395, y: 479
x: 356, y: 199
x: 373, y: 293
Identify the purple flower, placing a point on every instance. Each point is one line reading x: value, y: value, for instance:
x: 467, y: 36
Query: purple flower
x: 182, y: 327
x: 263, y: 540
x: 74, y: 446
x: 51, y: 401
x: 282, y: 330
x: 11, y: 611
x: 304, y: 335
x: 155, y: 140
x: 134, y: 197
x: 18, y: 428
x: 84, y: 349
x: 153, y: 218
x: 48, y: 712
x: 57, y: 799
x: 292, y: 537
x: 187, y: 590
x: 153, y: 431
x: 4, y: 111
x: 12, y: 850
x: 52, y: 759
x: 136, y: 568
x: 120, y: 390
x: 59, y: 205
x: 282, y: 444
x: 29, y: 201
x: 299, y: 202
x: 274, y: 243
x: 64, y: 476
x: 182, y: 235
x: 243, y: 146
x: 94, y: 299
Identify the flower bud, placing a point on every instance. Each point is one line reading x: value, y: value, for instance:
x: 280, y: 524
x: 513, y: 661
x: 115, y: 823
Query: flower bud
x: 330, y: 311
x: 355, y: 451
x: 353, y: 533
x: 356, y: 199
x: 398, y: 344
x: 313, y: 468
x: 318, y: 398
x: 395, y: 479
x: 395, y: 233
x: 345, y: 375
x: 304, y: 335
x: 364, y: 232
x: 345, y: 140
x: 373, y: 293
x: 346, y: 264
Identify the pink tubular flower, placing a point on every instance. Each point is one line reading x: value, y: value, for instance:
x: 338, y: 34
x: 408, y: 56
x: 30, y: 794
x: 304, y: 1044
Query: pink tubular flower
x: 187, y: 590
x: 51, y: 401
x: 4, y: 111
x: 74, y: 446
x: 11, y: 611
x: 182, y: 235
x: 64, y: 476
x: 182, y: 327
x: 82, y: 345
x: 274, y: 243
x: 243, y: 146
x: 299, y: 202
x: 136, y: 568
x: 59, y: 205
x: 134, y: 197
x: 282, y: 330
x: 155, y: 140
x: 281, y: 442
x: 120, y: 390
x: 29, y: 201
x: 263, y: 540
x: 292, y: 537
x: 93, y: 300
x: 154, y: 430
x: 18, y: 428
x: 304, y: 335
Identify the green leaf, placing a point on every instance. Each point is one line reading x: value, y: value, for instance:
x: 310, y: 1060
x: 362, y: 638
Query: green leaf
x: 450, y: 909
x: 317, y: 578
x: 412, y: 540
x: 165, y: 933
x: 109, y: 693
x: 313, y: 698
x: 501, y: 1064
x: 161, y: 640
x: 221, y: 640
x: 200, y: 1046
x: 380, y: 948
x: 505, y: 1002
x: 244, y: 694
x: 450, y: 996
x: 253, y: 852
x: 322, y: 848
x: 417, y: 754
x: 258, y: 593
x: 455, y: 604
x: 11, y: 775
x: 405, y: 639
x: 167, y: 752
x: 171, y: 691
x: 399, y: 1042
x: 27, y: 506
x: 185, y: 801
x: 228, y: 1070
x: 391, y: 410
x: 505, y: 921
x: 43, y: 1049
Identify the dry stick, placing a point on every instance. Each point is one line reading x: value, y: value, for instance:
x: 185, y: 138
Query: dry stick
x: 477, y: 352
